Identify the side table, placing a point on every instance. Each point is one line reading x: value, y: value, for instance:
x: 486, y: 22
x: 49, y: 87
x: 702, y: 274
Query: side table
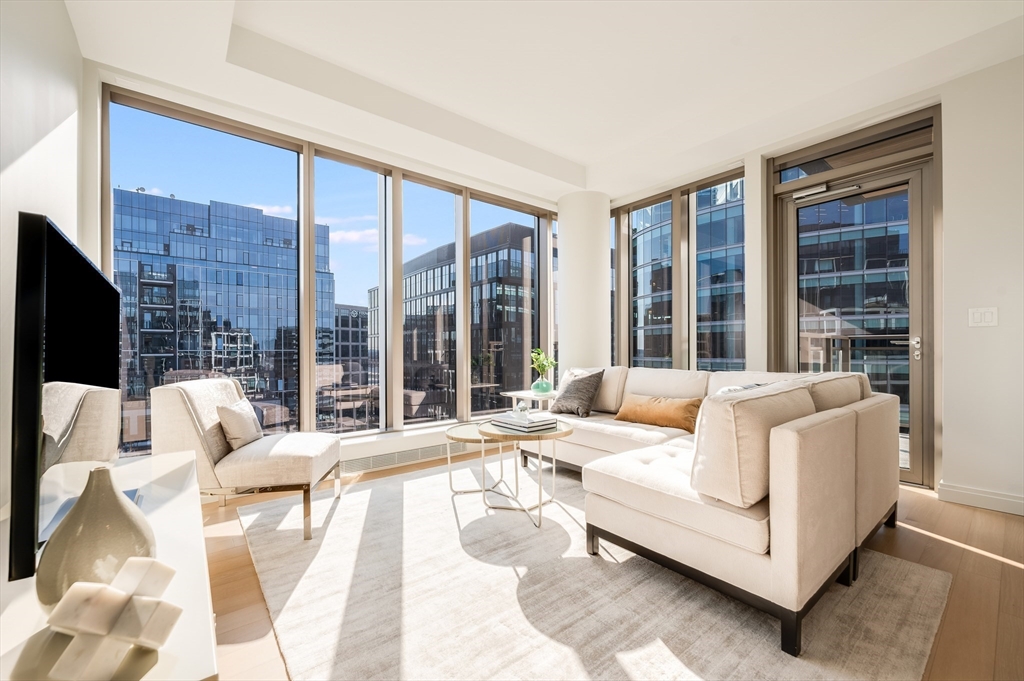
x: 530, y: 396
x: 492, y: 431
x: 469, y: 433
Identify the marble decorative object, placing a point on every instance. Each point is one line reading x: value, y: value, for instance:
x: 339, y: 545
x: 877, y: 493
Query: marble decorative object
x: 142, y: 577
x: 89, y: 657
x: 100, y: 532
x: 88, y: 608
x: 106, y: 621
x: 146, y: 622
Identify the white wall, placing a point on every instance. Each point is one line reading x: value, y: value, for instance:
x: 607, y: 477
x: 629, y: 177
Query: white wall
x: 983, y: 266
x: 40, y: 76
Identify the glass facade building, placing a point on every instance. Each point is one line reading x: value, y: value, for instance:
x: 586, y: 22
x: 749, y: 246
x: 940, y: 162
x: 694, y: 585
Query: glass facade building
x: 853, y: 289
x: 720, y: 268
x: 346, y: 400
x: 651, y: 263
x: 503, y: 323
x: 212, y: 290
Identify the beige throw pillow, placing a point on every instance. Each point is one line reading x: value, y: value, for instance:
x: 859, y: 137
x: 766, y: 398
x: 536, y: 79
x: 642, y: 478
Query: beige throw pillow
x: 668, y: 412
x: 240, y: 424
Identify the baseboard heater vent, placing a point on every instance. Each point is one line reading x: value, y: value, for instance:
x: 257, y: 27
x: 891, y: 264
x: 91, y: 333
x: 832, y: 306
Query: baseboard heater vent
x: 379, y: 461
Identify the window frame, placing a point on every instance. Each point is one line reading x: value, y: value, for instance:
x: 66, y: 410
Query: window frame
x: 390, y: 320
x: 684, y: 268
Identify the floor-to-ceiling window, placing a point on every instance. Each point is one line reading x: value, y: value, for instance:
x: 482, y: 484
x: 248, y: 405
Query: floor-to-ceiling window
x: 719, y: 277
x: 651, y: 262
x: 504, y: 319
x: 205, y: 244
x: 347, y: 231
x: 212, y: 276
x: 428, y: 302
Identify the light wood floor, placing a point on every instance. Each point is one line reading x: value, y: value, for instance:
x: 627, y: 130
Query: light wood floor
x: 981, y: 637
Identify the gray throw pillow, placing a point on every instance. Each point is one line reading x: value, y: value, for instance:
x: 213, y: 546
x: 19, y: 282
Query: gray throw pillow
x: 578, y: 396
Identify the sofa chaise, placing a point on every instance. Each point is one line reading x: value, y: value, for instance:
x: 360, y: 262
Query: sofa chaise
x: 767, y: 501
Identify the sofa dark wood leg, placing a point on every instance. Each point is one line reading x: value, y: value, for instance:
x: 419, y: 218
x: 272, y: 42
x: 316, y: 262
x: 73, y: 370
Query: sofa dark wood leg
x: 791, y: 622
x: 846, y: 576
x: 593, y: 541
x: 526, y: 461
x: 855, y: 558
x: 891, y: 520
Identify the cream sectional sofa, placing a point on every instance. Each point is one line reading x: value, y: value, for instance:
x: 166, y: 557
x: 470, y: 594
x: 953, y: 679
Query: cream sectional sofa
x: 767, y: 502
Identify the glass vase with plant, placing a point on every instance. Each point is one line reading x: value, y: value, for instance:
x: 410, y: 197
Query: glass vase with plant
x: 542, y: 364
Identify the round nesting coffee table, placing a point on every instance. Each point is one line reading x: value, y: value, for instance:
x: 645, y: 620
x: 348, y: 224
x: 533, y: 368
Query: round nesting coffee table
x: 492, y: 431
x: 469, y: 433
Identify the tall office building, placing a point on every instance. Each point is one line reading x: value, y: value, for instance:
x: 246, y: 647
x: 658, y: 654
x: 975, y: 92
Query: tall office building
x: 212, y: 290
x: 503, y: 322
x: 347, y: 398
x: 721, y: 305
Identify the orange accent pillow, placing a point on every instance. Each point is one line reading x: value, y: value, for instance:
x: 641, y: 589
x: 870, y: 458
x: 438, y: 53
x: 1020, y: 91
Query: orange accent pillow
x: 668, y: 412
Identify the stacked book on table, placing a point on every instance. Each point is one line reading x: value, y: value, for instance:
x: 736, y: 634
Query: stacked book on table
x: 525, y: 423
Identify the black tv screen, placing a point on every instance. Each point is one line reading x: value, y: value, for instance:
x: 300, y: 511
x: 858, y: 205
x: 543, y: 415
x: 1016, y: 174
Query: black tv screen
x: 67, y: 327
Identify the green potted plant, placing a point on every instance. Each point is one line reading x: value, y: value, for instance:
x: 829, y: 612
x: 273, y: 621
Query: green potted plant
x: 542, y: 364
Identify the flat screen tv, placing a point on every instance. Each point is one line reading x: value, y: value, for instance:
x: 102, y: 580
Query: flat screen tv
x: 67, y: 327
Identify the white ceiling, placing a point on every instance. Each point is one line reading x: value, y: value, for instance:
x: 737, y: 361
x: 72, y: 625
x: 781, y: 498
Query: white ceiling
x: 542, y: 98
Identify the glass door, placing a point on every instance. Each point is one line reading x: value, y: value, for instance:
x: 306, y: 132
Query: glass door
x: 858, y: 285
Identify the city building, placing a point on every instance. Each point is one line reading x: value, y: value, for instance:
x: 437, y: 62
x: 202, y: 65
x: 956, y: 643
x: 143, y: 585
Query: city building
x: 651, y: 286
x: 212, y: 290
x: 346, y: 398
x: 503, y: 322
x: 720, y: 265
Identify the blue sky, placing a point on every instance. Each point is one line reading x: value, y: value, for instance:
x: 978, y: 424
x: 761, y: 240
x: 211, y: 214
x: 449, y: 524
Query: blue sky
x: 167, y: 156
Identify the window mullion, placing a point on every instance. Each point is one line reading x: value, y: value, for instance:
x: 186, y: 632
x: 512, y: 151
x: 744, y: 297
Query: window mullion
x: 680, y: 282
x: 463, y: 372
x: 391, y: 366
x: 307, y: 293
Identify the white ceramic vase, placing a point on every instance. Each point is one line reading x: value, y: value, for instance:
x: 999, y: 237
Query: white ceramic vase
x: 100, y: 532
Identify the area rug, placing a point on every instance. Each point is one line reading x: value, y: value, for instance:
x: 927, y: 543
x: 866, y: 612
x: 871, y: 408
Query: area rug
x: 404, y: 580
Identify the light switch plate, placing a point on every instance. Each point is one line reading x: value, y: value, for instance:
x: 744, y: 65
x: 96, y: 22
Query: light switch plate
x: 983, y: 316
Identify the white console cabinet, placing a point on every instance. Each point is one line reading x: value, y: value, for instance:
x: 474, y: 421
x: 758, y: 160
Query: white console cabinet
x: 170, y: 501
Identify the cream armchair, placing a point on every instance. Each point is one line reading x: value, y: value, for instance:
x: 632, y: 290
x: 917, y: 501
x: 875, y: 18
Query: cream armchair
x: 184, y: 417
x: 80, y: 423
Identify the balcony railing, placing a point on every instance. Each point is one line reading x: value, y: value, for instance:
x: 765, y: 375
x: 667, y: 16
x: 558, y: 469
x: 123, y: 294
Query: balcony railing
x: 151, y: 275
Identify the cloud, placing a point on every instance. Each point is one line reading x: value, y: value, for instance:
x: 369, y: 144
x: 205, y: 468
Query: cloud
x: 360, y: 236
x: 278, y: 211
x: 155, y: 190
x: 323, y: 220
x: 413, y: 240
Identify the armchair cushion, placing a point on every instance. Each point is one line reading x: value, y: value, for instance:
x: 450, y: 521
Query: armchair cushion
x: 279, y: 459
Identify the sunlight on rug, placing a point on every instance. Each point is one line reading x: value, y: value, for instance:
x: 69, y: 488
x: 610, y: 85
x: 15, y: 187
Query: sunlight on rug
x: 403, y: 580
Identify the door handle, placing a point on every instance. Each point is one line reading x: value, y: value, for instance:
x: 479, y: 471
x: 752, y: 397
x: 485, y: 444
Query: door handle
x: 916, y: 342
